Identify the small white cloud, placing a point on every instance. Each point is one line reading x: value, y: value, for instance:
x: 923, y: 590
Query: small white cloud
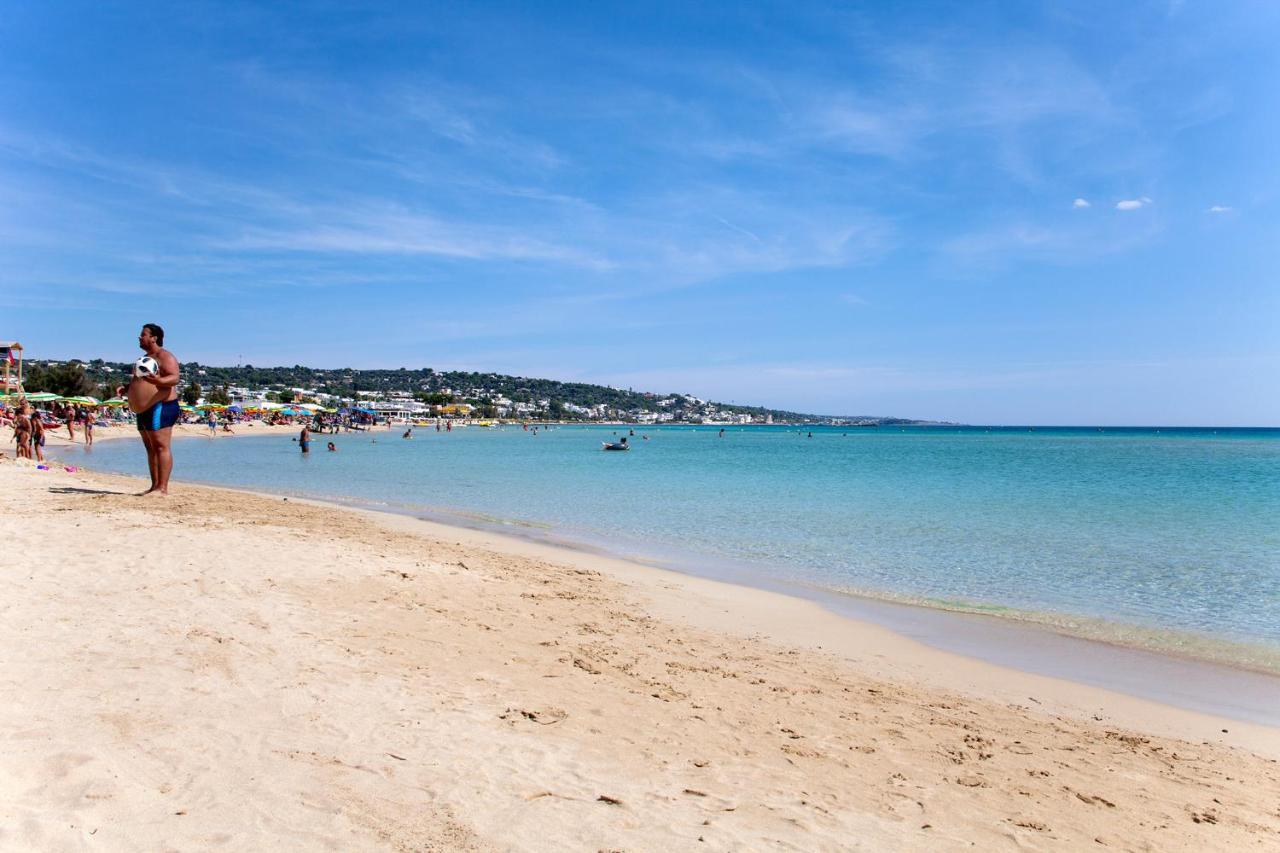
x: 1081, y: 203
x: 1218, y: 208
x: 1133, y: 203
x: 852, y: 299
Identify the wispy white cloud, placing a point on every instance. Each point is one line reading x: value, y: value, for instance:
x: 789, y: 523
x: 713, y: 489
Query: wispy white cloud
x: 1081, y: 203
x: 1219, y: 208
x: 727, y: 224
x: 1081, y: 240
x: 382, y: 230
x: 1133, y: 203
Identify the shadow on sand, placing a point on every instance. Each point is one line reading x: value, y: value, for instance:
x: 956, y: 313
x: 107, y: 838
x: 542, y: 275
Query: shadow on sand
x: 72, y: 490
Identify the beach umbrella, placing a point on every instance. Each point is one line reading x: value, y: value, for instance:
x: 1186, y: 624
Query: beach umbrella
x: 217, y: 407
x: 82, y: 401
x: 42, y: 397
x: 234, y: 409
x: 186, y: 408
x: 115, y: 401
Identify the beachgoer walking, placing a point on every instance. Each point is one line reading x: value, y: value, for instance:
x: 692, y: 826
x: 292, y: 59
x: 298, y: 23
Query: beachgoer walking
x: 71, y: 422
x: 89, y: 420
x: 155, y: 423
x: 304, y: 439
x: 37, y: 435
x: 213, y: 425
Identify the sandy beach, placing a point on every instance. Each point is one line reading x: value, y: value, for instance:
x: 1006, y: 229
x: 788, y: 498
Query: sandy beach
x: 56, y: 437
x: 236, y: 671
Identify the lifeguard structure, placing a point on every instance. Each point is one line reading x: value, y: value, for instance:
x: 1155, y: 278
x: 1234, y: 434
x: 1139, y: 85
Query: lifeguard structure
x: 11, y: 368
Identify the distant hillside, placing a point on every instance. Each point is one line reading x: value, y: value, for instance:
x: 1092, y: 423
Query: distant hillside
x: 530, y: 396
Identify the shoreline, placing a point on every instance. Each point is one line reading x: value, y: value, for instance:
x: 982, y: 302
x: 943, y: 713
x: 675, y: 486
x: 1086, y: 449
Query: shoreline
x: 1158, y: 677
x: 795, y: 615
x: 1163, y: 673
x: 356, y: 679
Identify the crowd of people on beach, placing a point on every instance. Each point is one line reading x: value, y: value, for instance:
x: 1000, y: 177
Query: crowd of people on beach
x: 30, y: 425
x: 154, y: 408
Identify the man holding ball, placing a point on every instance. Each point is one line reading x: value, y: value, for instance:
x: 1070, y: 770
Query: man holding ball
x: 153, y: 395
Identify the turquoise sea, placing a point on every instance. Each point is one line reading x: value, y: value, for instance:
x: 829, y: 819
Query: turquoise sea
x: 1161, y: 538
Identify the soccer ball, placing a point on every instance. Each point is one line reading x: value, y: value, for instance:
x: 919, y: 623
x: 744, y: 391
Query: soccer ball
x: 146, y: 366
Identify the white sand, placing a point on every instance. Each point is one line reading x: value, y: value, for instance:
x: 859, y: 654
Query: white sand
x: 219, y: 669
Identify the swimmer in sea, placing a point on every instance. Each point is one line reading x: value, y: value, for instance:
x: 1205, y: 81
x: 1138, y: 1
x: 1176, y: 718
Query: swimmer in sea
x: 333, y: 448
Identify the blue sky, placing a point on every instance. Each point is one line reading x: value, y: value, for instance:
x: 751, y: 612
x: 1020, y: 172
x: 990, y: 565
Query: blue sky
x: 984, y: 212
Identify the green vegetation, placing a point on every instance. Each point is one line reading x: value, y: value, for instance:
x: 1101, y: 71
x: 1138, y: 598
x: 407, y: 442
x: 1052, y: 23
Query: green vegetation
x: 67, y: 379
x: 542, y: 398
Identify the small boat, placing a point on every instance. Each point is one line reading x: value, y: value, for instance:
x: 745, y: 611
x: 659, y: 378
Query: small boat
x: 615, y: 445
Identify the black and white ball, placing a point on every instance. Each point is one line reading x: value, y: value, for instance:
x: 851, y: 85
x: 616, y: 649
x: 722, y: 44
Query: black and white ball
x: 146, y: 366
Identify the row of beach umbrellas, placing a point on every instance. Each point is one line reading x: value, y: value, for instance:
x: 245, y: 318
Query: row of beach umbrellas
x: 49, y: 397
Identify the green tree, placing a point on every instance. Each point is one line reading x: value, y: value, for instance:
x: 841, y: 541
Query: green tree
x: 67, y: 380
x: 191, y: 393
x: 220, y: 395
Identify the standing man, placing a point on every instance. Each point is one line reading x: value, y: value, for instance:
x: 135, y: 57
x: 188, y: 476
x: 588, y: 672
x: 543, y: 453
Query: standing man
x: 155, y: 399
x: 37, y: 431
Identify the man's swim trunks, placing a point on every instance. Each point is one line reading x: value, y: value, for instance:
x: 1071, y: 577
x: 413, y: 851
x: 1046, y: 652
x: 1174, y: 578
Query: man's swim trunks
x: 160, y: 416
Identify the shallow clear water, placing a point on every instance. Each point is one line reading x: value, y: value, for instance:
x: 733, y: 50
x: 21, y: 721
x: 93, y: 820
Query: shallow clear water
x: 1133, y: 534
